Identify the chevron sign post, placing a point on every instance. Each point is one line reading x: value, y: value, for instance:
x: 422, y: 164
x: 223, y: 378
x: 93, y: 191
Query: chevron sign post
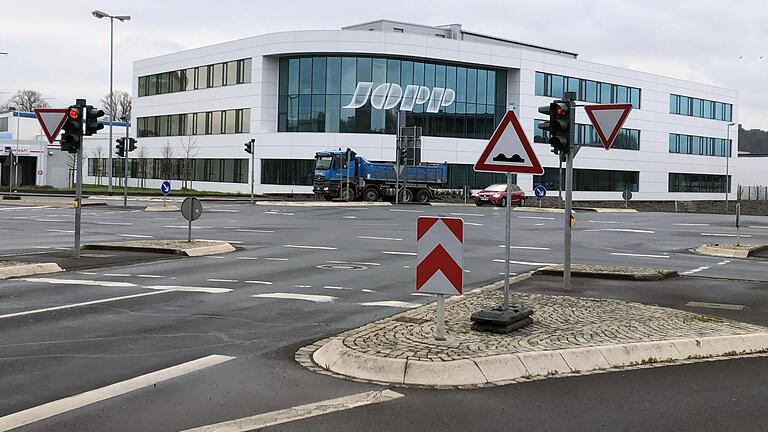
x: 440, y: 261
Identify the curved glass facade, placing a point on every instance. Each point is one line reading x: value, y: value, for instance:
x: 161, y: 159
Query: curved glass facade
x: 316, y: 94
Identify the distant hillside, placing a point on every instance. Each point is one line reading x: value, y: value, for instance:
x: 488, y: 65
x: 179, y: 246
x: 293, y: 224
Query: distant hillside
x: 753, y: 141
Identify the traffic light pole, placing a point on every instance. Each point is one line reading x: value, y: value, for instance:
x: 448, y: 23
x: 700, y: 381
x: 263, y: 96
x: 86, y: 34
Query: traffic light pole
x: 78, y: 197
x: 569, y: 97
x: 253, y: 171
x: 125, y: 168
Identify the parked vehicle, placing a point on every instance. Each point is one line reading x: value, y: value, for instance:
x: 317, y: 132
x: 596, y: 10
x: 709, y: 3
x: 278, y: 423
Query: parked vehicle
x: 497, y: 195
x: 346, y: 176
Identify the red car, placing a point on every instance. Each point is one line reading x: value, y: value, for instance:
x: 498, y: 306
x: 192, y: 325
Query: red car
x: 497, y: 195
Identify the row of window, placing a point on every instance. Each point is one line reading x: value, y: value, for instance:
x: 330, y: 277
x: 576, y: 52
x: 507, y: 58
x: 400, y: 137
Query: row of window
x: 695, y: 107
x: 699, y: 183
x: 586, y: 90
x: 209, y: 170
x: 592, y: 180
x: 699, y: 145
x: 202, y: 123
x: 586, y: 135
x: 194, y: 78
x: 4, y: 124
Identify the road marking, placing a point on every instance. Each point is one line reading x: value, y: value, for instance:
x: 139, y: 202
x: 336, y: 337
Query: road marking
x: 406, y: 211
x: 86, y: 273
x: 60, y: 231
x: 418, y: 294
x: 333, y: 287
x: 49, y: 220
x: 70, y: 403
x: 208, y: 290
x: 758, y: 226
x: 258, y: 282
x: 349, y: 217
x: 23, y: 208
x: 135, y: 235
x: 149, y: 276
x: 276, y: 259
x: 317, y: 298
x: 366, y: 290
x: 186, y: 227
x: 226, y: 241
x: 536, y: 217
x: 524, y: 263
x: 112, y: 223
x: 302, y: 286
x: 639, y: 255
x: 724, y: 306
x: 379, y: 238
x: 696, y: 270
x: 691, y: 224
x: 223, y: 280
x: 277, y: 212
x: 527, y: 247
x: 399, y: 253
x: 300, y: 412
x: 473, y: 223
x: 247, y: 258
x: 117, y: 274
x: 310, y: 247
x: 467, y: 214
x: 74, y: 305
x: 218, y: 210
x: 723, y: 235
x: 392, y: 303
x: 254, y: 230
x: 89, y: 282
x: 723, y: 262
x: 214, y: 257
x: 628, y: 230
x: 604, y: 222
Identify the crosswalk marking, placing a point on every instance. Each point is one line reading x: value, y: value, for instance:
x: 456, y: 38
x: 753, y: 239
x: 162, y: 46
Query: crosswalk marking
x: 392, y: 303
x: 317, y: 298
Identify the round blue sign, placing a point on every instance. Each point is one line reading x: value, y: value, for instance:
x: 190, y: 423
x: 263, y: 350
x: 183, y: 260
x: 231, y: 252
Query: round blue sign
x: 540, y: 191
x: 165, y: 188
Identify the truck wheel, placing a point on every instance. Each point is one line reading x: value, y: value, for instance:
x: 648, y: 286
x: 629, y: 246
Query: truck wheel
x: 423, y: 196
x: 406, y: 195
x: 371, y: 194
x: 348, y: 194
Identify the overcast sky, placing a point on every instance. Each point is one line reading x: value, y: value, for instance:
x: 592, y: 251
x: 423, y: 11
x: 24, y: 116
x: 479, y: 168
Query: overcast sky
x: 711, y: 41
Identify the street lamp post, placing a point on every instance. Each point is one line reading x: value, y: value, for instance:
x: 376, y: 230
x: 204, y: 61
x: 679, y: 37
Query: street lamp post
x: 99, y: 14
x: 727, y: 160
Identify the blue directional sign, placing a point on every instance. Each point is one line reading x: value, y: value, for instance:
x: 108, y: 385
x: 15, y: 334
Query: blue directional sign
x: 165, y: 188
x: 540, y: 191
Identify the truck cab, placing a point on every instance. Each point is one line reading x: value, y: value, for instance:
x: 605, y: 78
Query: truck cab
x: 335, y: 172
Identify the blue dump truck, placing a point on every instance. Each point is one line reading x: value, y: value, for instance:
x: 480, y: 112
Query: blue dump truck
x: 343, y: 175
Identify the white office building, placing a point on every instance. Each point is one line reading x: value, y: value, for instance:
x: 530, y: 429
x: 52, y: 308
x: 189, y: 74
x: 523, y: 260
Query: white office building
x: 294, y: 93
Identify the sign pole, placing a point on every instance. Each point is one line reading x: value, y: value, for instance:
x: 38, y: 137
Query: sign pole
x: 189, y: 231
x: 125, y: 168
x: 569, y: 96
x: 440, y: 318
x: 253, y: 169
x: 738, y: 224
x: 507, y: 241
x: 398, y: 146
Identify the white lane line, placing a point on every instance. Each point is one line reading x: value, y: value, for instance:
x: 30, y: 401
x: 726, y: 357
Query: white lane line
x: 74, y: 305
x: 536, y: 217
x: 696, y: 270
x: 22, y: 208
x: 117, y: 274
x: 112, y: 223
x: 70, y: 403
x: 135, y: 235
x: 392, y: 303
x: 49, y: 220
x: 247, y: 258
x: 538, y: 224
x: 41, y: 247
x: 258, y: 282
x: 723, y: 262
x: 723, y: 235
x: 627, y: 230
x: 276, y: 259
x: 527, y: 247
x: 209, y: 290
x: 524, y: 263
x: 473, y: 223
x: 103, y: 283
x: 604, y: 222
x: 349, y: 217
x: 223, y: 211
x: 691, y: 224
x: 379, y: 238
x: 758, y: 226
x: 366, y: 290
x: 186, y: 227
x: 418, y: 294
x: 302, y: 286
x: 254, y: 231
x: 310, y: 247
x: 724, y: 306
x: 333, y: 287
x: 317, y: 298
x: 467, y: 214
x: 60, y: 231
x: 406, y: 211
x: 639, y: 255
x: 150, y: 276
x: 300, y: 412
x: 223, y: 280
x: 399, y: 253
x: 86, y: 273
x: 226, y: 241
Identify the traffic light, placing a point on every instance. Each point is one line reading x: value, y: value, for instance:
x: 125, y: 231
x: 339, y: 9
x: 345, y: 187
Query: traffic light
x: 558, y: 126
x: 403, y: 156
x: 120, y: 146
x: 131, y: 144
x: 249, y: 146
x: 72, y: 137
x: 92, y: 124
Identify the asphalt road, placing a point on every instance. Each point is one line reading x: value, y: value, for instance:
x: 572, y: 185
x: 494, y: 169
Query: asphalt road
x: 261, y: 303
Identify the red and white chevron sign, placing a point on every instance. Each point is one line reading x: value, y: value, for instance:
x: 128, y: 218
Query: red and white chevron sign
x: 440, y: 255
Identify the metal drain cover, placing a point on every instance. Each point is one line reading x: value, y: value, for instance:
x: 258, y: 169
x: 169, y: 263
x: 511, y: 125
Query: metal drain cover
x: 345, y: 266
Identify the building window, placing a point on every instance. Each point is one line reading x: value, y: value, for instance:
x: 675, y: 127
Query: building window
x: 215, y: 75
x: 202, y: 123
x: 296, y: 172
x: 555, y: 86
x: 706, y: 183
x: 592, y: 180
x: 312, y: 93
x: 213, y: 170
x: 397, y: 30
x: 4, y: 124
x: 695, y: 107
x: 627, y: 139
x: 698, y: 145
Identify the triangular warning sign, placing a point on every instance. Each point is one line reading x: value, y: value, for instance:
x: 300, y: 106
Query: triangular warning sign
x: 608, y: 120
x: 509, y: 150
x: 51, y: 120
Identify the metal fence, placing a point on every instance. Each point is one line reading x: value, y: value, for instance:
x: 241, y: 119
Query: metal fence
x: 753, y: 193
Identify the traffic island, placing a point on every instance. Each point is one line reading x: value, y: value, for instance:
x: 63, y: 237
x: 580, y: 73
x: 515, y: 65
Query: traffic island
x: 569, y: 336
x: 732, y: 251
x: 170, y: 208
x: 175, y: 247
x: 11, y: 269
x: 610, y: 272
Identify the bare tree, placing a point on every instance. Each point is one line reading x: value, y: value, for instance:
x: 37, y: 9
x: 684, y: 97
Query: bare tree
x: 141, y: 156
x: 25, y: 100
x: 71, y: 157
x: 123, y: 103
x: 98, y: 155
x: 189, y: 149
x: 166, y: 154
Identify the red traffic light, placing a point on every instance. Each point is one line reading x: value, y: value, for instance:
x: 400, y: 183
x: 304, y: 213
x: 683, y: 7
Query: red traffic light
x: 74, y: 113
x: 559, y: 111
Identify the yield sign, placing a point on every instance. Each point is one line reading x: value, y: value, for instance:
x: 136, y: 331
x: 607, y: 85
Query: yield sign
x: 509, y: 150
x: 51, y: 120
x: 608, y: 120
x: 440, y: 256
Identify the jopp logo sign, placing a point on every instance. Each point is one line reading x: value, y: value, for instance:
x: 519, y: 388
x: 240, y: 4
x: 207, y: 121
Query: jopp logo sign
x: 388, y: 95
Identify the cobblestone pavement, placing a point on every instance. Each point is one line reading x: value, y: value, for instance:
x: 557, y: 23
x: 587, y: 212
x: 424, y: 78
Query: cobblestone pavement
x: 560, y: 322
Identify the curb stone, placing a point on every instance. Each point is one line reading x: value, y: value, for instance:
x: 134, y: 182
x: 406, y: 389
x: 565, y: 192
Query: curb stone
x: 730, y: 251
x: 28, y: 269
x: 196, y: 251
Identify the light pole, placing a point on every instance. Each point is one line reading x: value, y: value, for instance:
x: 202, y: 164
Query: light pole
x: 727, y: 160
x: 99, y: 14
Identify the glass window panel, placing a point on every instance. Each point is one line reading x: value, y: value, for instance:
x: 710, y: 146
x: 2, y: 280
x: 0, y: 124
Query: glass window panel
x: 200, y: 123
x: 728, y: 114
x: 162, y: 126
x: 231, y: 73
x: 176, y: 81
x: 482, y: 86
x: 364, y: 67
x: 429, y: 75
x: 418, y: 73
x: 634, y: 96
x: 230, y: 122
x: 305, y: 75
x: 332, y: 111
x: 379, y: 71
x: 590, y: 89
x: 318, y: 113
x: 164, y: 83
x: 305, y: 113
x: 293, y: 76
x: 216, y: 122
x: 440, y: 71
x: 684, y: 107
x: 406, y: 73
x: 697, y: 109
x: 217, y: 79
x: 718, y: 111
x: 605, y: 93
x: 622, y: 94
x: 461, y: 84
x: 202, y: 77
x: 539, y: 84
x: 471, y: 85
x: 175, y: 125
x: 189, y: 124
x: 348, y: 75
x: 574, y: 85
x: 707, y: 112
x: 143, y: 86
x: 282, y: 80
x: 247, y: 65
x: 191, y: 79
x: 333, y: 76
x: 245, y: 116
x: 557, y: 86
x: 393, y: 71
x: 293, y: 113
x: 318, y: 75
